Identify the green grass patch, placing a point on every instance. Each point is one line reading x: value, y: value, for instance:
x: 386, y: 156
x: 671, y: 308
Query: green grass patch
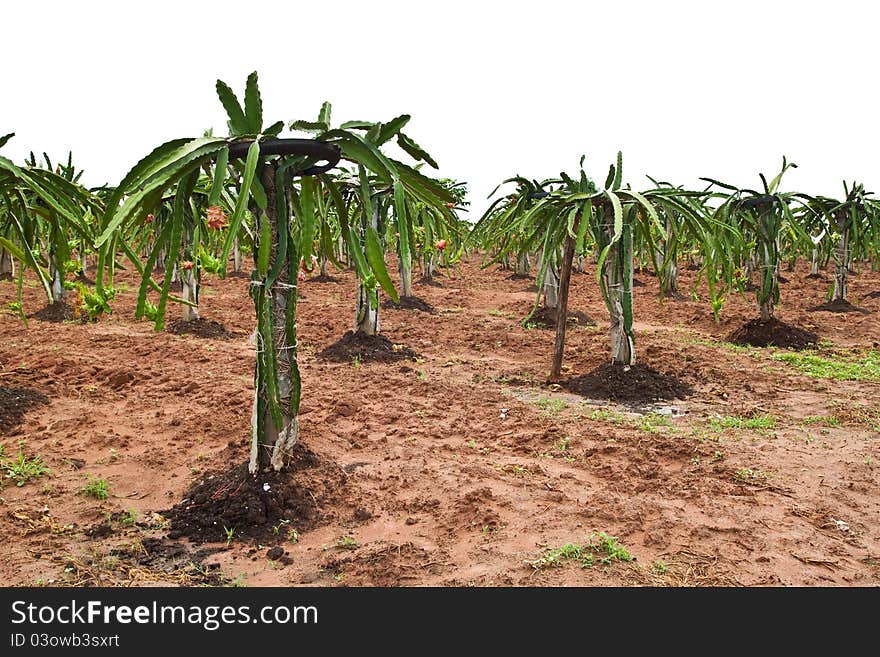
x: 600, y: 548
x: 755, y: 423
x: 840, y: 369
x: 97, y: 488
x: 822, y: 420
x: 649, y: 422
x: 606, y: 415
x: 750, y: 475
x: 550, y: 406
x: 654, y: 422
x: 22, y: 469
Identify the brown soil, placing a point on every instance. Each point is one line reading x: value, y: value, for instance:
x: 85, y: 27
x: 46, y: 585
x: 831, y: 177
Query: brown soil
x: 638, y: 283
x: 374, y: 348
x: 409, y: 303
x: 817, y: 277
x: 418, y: 476
x: 760, y: 333
x: 54, y: 312
x: 200, y: 328
x: 840, y: 306
x: 546, y: 318
x: 637, y: 384
x: 520, y: 277
x: 238, y: 274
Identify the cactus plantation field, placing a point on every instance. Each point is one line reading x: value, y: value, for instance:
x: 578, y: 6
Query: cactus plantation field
x: 444, y: 453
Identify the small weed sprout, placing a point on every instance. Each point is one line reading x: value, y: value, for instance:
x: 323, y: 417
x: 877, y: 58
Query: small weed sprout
x: 22, y: 469
x: 756, y: 423
x: 601, y: 548
x: 347, y: 542
x: 97, y: 488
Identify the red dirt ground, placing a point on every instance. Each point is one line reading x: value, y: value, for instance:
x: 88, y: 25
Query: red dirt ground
x: 416, y: 474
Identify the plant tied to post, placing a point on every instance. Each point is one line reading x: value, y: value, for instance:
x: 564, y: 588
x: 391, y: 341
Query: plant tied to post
x: 287, y: 187
x: 41, y: 208
x: 569, y: 215
x: 262, y: 168
x: 849, y: 228
x: 381, y: 193
x: 766, y: 223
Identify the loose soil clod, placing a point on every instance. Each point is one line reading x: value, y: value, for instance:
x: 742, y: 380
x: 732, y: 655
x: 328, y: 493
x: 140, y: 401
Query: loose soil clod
x: 376, y: 348
x: 676, y: 296
x: 201, y: 328
x: 637, y: 384
x: 546, y: 318
x: 14, y: 403
x: 252, y: 506
x: 54, y: 312
x: 432, y: 282
x: 838, y: 307
x: 773, y: 332
x: 409, y: 303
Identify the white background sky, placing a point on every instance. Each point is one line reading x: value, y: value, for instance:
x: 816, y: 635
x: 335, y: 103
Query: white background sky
x: 684, y: 89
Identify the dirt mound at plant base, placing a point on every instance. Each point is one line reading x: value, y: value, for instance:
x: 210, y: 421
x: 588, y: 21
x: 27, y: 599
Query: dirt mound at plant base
x: 201, y: 328
x: 636, y: 384
x: 367, y: 348
x: 433, y: 282
x: 760, y: 333
x: 251, y: 507
x: 409, y: 303
x: 14, y: 403
x: 838, y: 307
x: 546, y: 318
x: 54, y: 312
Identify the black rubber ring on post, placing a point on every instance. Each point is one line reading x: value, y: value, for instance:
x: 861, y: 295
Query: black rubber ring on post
x: 759, y: 201
x: 309, y: 147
